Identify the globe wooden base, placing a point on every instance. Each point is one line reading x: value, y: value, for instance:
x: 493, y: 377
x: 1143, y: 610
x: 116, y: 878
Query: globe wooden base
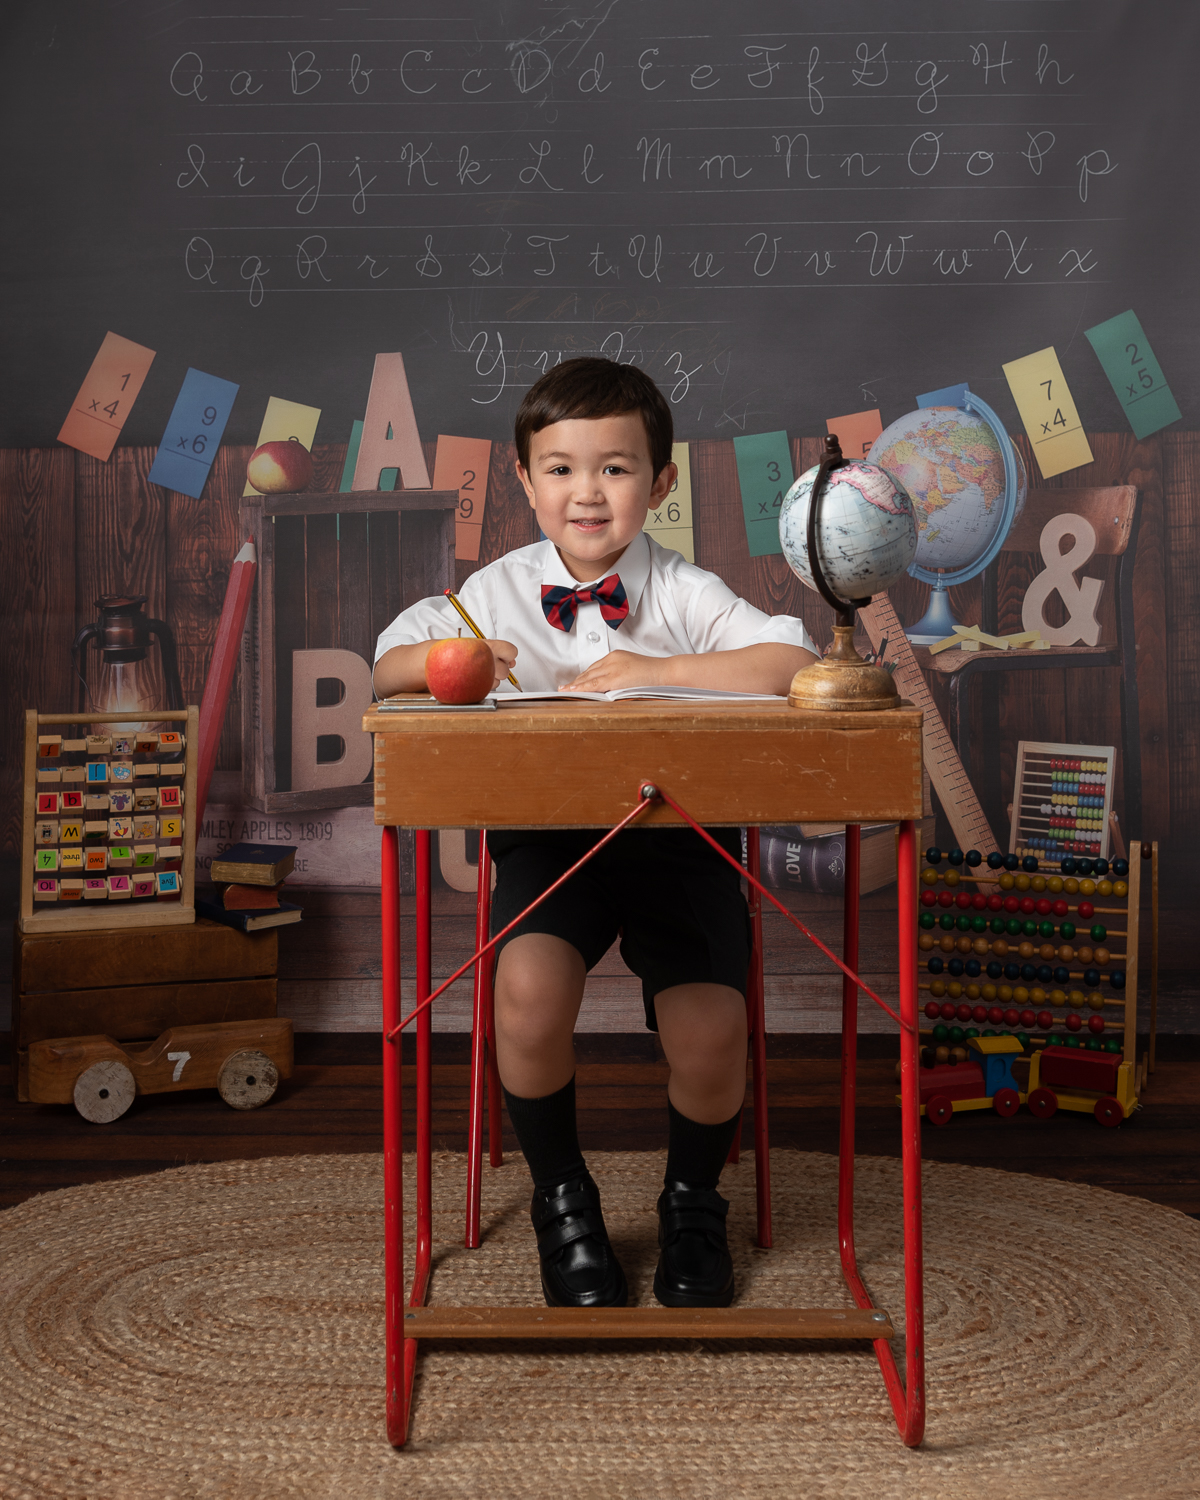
x: 842, y: 682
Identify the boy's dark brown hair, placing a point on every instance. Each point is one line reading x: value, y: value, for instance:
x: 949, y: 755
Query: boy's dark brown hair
x: 595, y: 388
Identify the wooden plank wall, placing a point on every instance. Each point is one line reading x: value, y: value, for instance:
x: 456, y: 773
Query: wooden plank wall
x: 72, y: 528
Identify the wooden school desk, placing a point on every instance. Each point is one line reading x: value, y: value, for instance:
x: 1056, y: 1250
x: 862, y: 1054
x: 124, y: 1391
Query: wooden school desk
x: 593, y: 765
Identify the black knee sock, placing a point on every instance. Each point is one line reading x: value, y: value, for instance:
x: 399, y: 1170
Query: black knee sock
x: 546, y: 1130
x: 696, y: 1153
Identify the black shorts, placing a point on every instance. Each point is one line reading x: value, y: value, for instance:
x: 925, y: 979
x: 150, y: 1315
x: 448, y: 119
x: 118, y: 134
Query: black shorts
x: 676, y: 905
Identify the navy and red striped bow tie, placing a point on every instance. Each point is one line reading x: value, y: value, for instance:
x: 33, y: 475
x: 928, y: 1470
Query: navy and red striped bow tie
x: 560, y: 605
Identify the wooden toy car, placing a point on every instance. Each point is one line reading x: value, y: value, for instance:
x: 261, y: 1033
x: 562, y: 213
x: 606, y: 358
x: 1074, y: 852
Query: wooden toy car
x: 242, y: 1060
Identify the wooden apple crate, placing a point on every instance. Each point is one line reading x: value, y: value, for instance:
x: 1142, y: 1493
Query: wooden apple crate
x: 133, y: 987
x: 333, y: 571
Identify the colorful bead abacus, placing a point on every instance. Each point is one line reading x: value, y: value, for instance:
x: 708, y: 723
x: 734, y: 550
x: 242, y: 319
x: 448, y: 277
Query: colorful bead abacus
x: 1014, y: 948
x: 1062, y: 800
x: 109, y: 836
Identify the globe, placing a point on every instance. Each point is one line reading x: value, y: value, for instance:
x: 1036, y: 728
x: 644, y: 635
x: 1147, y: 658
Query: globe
x: 967, y: 484
x: 866, y: 529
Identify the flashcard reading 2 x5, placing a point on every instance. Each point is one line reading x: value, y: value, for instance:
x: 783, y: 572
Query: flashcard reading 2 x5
x: 1134, y: 374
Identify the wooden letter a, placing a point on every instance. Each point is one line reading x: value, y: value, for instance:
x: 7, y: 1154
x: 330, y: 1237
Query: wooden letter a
x: 389, y: 437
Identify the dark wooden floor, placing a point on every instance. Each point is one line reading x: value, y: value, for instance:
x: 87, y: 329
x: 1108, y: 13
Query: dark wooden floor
x: 332, y: 1105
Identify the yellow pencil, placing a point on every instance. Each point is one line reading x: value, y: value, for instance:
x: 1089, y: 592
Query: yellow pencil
x: 453, y: 598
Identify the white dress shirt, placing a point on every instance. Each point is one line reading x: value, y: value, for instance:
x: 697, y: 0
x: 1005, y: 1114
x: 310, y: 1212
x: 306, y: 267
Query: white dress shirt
x: 675, y: 609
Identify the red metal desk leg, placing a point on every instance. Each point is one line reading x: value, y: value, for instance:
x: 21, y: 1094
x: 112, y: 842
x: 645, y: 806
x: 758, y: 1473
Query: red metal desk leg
x: 913, y: 1427
x: 393, y: 1143
x: 478, y: 1049
x: 495, y: 1124
x: 907, y: 1397
x: 424, y: 1255
x: 756, y: 1002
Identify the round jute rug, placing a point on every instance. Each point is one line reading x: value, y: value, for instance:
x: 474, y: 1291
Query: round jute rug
x: 218, y: 1331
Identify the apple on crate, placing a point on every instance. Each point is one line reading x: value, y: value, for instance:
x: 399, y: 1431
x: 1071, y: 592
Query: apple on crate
x: 280, y: 468
x: 459, y: 670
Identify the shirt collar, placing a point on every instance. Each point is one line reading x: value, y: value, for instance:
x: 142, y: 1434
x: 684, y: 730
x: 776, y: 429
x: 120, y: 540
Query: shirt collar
x: 633, y: 568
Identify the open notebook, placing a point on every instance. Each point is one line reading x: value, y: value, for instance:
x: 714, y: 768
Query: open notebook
x: 620, y: 695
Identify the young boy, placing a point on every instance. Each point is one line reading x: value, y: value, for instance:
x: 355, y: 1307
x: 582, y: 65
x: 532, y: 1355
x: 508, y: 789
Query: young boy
x: 600, y: 605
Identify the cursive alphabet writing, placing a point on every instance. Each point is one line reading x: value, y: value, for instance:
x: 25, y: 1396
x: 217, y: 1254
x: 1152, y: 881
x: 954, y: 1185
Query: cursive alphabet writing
x: 307, y: 161
x: 195, y: 155
x: 188, y: 65
x: 530, y: 175
x: 302, y: 71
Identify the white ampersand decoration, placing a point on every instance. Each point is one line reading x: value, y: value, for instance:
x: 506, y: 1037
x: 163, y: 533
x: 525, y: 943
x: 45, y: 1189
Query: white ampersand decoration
x: 1080, y: 598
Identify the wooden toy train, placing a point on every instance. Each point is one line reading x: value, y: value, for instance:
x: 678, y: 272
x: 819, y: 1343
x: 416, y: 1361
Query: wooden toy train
x: 1012, y: 945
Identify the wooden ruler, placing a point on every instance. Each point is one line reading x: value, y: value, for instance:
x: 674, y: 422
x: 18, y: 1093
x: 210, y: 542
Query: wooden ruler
x: 950, y: 781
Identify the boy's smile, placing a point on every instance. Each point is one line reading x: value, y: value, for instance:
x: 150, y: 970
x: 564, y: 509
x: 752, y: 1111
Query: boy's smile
x: 590, y: 482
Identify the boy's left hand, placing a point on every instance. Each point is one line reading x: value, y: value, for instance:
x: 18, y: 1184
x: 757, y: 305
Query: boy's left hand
x: 619, y: 669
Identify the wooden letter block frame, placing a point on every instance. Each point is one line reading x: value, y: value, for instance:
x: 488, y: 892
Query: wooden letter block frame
x: 349, y: 563
x: 53, y: 917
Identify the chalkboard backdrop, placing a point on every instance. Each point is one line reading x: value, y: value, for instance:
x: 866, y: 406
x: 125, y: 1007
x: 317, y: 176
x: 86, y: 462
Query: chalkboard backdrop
x: 852, y: 202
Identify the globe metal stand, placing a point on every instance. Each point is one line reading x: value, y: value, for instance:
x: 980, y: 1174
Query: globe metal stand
x: 842, y: 681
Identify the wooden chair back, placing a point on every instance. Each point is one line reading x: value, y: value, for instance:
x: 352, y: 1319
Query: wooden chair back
x: 1110, y: 511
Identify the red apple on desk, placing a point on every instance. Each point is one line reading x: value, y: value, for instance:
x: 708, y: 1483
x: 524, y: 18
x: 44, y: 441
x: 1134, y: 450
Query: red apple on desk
x: 460, y: 671
x: 280, y: 468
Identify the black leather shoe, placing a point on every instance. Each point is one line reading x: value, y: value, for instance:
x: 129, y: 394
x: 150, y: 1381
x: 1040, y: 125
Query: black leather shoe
x: 579, y: 1268
x: 695, y: 1268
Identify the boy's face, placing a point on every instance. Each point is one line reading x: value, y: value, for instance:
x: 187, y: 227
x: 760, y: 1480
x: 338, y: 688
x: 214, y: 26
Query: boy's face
x: 590, y: 482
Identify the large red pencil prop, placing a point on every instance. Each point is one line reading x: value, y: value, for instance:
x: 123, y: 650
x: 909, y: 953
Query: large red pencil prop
x: 221, y: 669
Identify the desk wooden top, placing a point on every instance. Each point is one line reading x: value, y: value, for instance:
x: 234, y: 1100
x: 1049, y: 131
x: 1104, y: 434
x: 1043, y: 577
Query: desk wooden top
x: 579, y: 764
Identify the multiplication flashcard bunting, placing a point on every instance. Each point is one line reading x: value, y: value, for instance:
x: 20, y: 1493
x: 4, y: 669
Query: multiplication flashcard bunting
x: 764, y: 465
x: 1134, y: 374
x: 283, y: 421
x: 1048, y: 411
x: 106, y: 397
x: 856, y: 432
x: 193, y: 433
x: 462, y: 464
x: 670, y: 524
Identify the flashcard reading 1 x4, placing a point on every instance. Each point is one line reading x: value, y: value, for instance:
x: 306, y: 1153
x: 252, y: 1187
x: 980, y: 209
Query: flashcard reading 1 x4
x: 106, y: 397
x: 193, y: 433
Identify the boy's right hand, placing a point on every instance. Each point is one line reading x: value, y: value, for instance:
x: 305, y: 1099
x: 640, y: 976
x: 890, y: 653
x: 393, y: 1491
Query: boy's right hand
x: 504, y: 658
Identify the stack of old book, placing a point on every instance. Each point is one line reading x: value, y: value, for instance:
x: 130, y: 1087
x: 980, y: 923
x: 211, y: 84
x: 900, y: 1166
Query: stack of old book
x: 247, y: 880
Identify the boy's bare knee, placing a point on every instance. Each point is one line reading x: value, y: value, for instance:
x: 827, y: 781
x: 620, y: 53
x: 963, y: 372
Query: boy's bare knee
x: 703, y: 1028
x: 539, y: 986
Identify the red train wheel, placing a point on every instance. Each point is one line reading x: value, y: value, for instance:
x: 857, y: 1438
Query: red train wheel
x: 1043, y: 1103
x: 1109, y: 1111
x: 1006, y: 1102
x: 938, y: 1110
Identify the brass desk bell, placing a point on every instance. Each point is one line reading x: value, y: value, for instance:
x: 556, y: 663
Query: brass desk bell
x: 841, y: 681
